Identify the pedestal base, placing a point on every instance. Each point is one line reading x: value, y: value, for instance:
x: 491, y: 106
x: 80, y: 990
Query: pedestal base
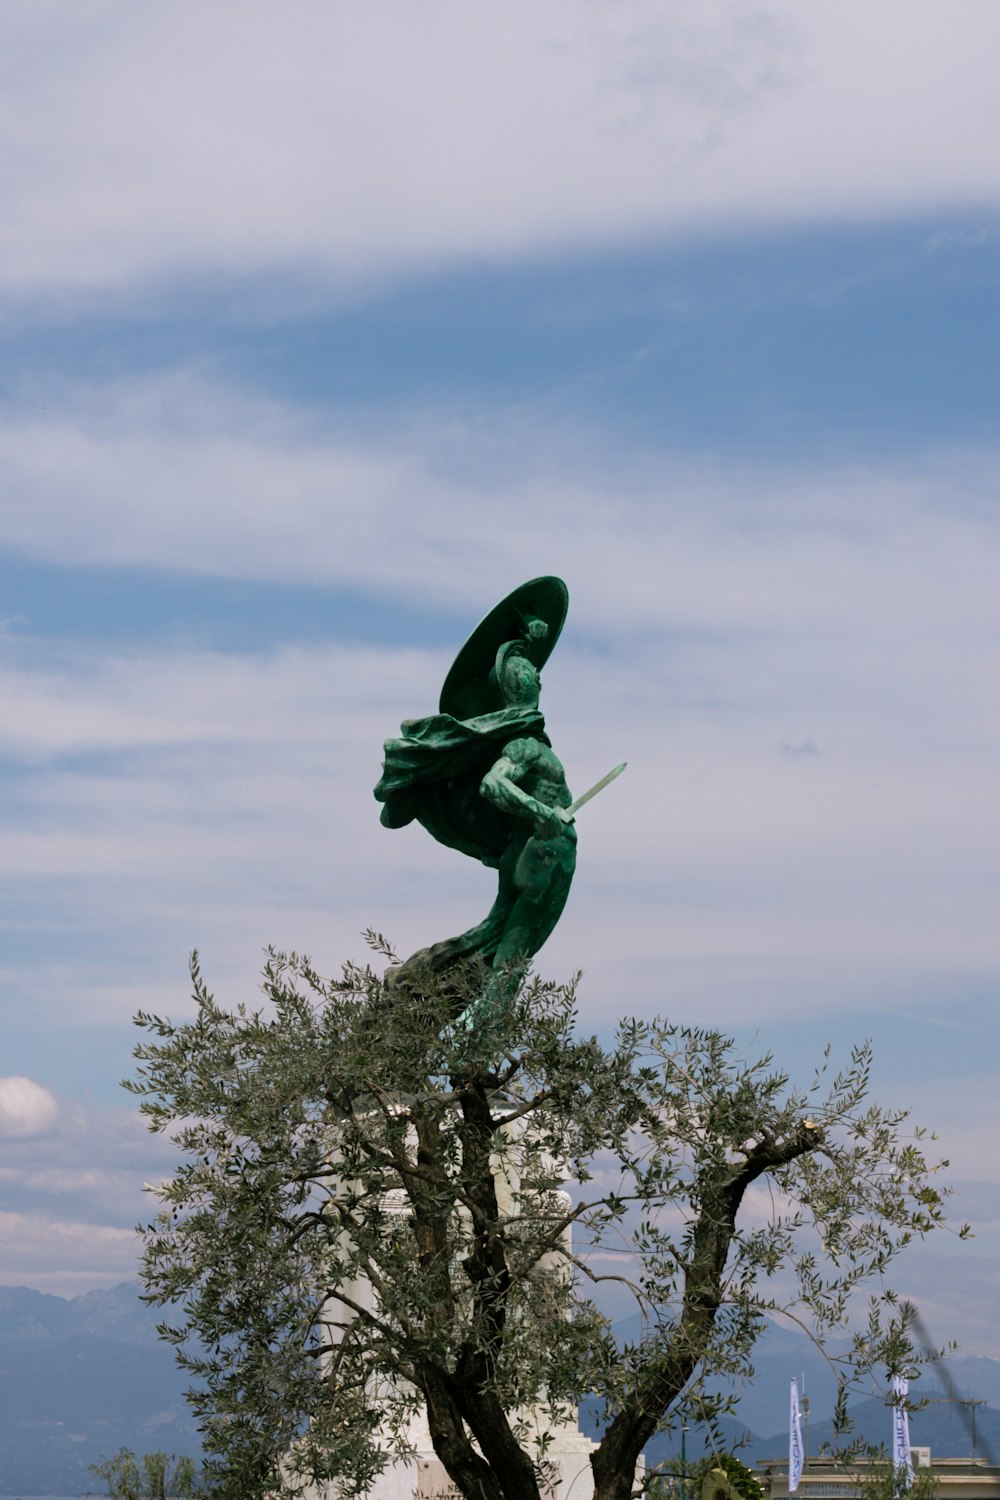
x: 425, y: 1477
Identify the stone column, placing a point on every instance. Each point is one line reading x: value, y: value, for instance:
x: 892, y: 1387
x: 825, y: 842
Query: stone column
x: 424, y: 1477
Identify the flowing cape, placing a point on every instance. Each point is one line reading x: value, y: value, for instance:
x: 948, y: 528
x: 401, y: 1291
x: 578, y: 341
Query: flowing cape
x: 434, y: 771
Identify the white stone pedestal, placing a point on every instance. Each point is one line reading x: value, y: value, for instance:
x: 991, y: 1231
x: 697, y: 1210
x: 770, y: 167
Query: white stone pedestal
x: 425, y: 1478
x: 567, y: 1454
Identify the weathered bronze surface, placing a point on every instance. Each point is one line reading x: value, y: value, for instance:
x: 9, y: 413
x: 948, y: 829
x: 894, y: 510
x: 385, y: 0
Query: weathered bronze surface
x: 481, y: 776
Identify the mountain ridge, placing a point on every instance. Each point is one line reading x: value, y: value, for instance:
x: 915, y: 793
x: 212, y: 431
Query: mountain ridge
x: 83, y: 1376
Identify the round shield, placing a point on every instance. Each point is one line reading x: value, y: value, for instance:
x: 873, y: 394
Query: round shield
x: 468, y: 688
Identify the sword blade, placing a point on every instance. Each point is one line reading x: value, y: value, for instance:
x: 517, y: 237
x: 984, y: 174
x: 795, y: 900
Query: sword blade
x: 568, y: 813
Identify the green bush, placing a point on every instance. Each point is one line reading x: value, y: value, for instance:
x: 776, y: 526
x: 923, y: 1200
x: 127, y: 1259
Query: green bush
x: 154, y: 1476
x: 739, y: 1476
x: 884, y: 1482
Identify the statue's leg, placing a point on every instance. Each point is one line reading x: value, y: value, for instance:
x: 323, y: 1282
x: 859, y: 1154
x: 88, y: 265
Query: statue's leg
x: 479, y: 942
x: 541, y: 877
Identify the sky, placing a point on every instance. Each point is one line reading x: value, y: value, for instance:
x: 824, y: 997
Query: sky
x: 326, y: 326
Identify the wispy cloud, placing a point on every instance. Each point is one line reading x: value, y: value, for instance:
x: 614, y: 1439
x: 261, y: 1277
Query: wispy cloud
x: 26, y: 1109
x: 69, y: 1202
x: 362, y: 141
x: 183, y: 796
x: 798, y: 747
x: 178, y: 472
x: 792, y: 653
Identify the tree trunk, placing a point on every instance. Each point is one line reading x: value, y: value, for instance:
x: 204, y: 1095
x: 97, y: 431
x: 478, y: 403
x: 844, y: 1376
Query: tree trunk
x: 466, y: 1468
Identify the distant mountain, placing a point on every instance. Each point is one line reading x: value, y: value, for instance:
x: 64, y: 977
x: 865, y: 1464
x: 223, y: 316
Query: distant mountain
x: 939, y: 1428
x: 783, y: 1353
x: 114, y: 1313
x: 82, y: 1376
x: 942, y: 1425
x: 942, y: 1428
x: 666, y: 1446
x: 779, y: 1354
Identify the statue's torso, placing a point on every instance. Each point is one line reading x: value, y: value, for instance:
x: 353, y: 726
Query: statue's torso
x: 539, y: 771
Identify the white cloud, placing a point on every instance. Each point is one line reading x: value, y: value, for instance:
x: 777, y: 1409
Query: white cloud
x: 170, y: 797
x: 134, y: 701
x: 69, y: 1200
x: 64, y: 1256
x: 177, y: 472
x: 141, y: 141
x: 26, y: 1109
x: 226, y: 797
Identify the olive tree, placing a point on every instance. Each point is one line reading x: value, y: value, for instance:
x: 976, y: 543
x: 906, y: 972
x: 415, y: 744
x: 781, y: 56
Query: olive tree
x: 886, y: 1481
x: 153, y: 1476
x: 369, y: 1213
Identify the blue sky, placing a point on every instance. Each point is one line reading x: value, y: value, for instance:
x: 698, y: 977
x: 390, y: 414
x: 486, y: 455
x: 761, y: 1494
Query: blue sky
x: 320, y: 335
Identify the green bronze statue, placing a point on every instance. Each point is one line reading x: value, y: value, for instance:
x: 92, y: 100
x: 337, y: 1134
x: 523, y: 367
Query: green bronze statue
x: 481, y: 776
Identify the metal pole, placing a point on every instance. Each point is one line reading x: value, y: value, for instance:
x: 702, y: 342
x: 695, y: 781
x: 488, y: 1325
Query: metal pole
x: 684, y: 1462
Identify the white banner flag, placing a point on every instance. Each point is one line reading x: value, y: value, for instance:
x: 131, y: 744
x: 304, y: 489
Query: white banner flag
x: 901, y: 1457
x: 794, y: 1442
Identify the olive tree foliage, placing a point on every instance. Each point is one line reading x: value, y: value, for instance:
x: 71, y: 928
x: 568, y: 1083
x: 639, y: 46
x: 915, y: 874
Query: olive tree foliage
x: 742, y: 1479
x: 153, y: 1476
x: 367, y: 1217
x: 886, y: 1481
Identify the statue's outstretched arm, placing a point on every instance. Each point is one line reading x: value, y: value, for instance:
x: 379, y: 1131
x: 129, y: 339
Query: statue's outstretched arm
x: 500, y: 786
